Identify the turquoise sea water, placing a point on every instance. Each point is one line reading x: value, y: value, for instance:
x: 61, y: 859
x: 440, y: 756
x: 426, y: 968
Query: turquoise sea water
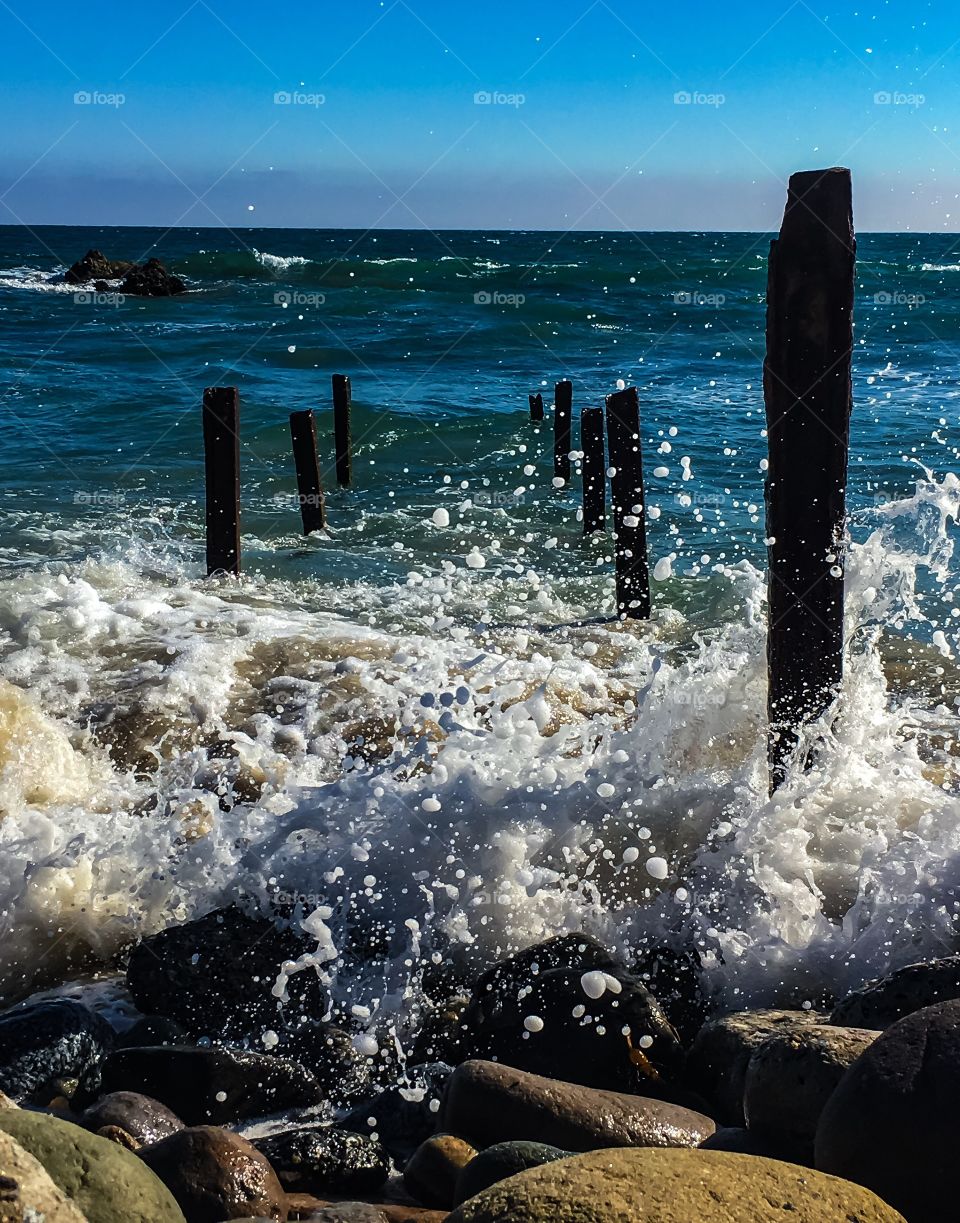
x: 425, y: 713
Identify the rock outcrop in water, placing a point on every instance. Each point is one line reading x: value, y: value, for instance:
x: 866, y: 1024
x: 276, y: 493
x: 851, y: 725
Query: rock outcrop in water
x: 150, y: 279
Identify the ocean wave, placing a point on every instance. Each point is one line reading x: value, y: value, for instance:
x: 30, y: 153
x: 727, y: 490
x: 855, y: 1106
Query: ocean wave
x: 35, y: 279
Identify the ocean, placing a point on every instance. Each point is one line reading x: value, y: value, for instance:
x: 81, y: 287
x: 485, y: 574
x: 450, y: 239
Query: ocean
x: 426, y: 719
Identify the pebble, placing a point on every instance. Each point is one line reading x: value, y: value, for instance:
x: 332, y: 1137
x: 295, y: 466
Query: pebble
x: 324, y: 1159
x: 52, y: 1048
x: 433, y: 1170
x: 142, y: 1117
x: 501, y: 1160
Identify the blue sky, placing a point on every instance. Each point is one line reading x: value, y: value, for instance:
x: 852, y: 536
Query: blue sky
x: 593, y: 114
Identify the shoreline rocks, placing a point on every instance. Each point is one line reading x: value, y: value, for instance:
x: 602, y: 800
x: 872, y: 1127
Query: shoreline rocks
x: 150, y: 279
x: 52, y: 1048
x: 489, y: 1103
x: 880, y: 1003
x: 325, y: 1160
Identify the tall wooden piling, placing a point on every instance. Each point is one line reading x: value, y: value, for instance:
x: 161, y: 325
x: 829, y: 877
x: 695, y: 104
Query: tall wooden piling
x: 221, y: 448
x: 629, y: 513
x: 594, y: 471
x: 562, y: 421
x: 536, y: 406
x: 303, y: 433
x: 342, y: 401
x: 808, y: 397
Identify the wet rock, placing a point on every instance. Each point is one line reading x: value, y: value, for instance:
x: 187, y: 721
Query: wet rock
x: 675, y: 978
x: 144, y: 1118
x: 114, y: 1133
x: 214, y: 975
x: 718, y: 1058
x: 211, y: 1085
x: 27, y: 1192
x: 433, y: 1170
x: 151, y: 279
x: 498, y: 1162
x: 347, y: 1212
x: 325, y: 1160
x: 107, y: 1183
x: 404, y: 1116
x: 216, y: 1175
x: 327, y: 1051
x: 882, y: 1002
x: 561, y: 1009
x: 442, y: 1034
x: 628, y: 1186
x: 96, y: 266
x: 52, y: 1048
x: 892, y: 1124
x: 791, y: 1076
x: 489, y: 1103
x: 153, y: 1030
x: 739, y: 1141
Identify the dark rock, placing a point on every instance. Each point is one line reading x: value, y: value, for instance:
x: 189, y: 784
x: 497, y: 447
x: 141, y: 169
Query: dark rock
x: 792, y: 1075
x: 442, y: 1034
x: 96, y: 266
x: 324, y: 1160
x: 328, y: 1053
x: 881, y: 1003
x: 347, y: 1212
x: 151, y: 279
x: 214, y: 975
x: 433, y: 1170
x: 893, y: 1124
x: 115, y: 1133
x: 489, y: 1103
x: 739, y: 1141
x: 107, y: 1183
x: 659, y: 1186
x: 215, y: 1175
x: 498, y: 1162
x: 404, y: 1116
x: 52, y: 1048
x: 579, y: 1036
x: 214, y: 1086
x: 145, y: 1118
x: 675, y: 978
x: 718, y: 1058
x: 153, y: 1030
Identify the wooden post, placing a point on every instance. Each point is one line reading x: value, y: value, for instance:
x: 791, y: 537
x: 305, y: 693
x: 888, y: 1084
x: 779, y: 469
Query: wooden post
x: 303, y: 432
x: 563, y: 412
x: 536, y: 406
x: 629, y: 513
x: 808, y: 396
x: 342, y: 398
x: 221, y: 448
x: 594, y: 471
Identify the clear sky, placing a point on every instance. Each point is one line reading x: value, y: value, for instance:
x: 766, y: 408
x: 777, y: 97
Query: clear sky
x: 556, y: 114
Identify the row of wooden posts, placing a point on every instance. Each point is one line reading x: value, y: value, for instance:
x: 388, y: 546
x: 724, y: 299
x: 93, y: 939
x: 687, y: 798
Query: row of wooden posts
x: 808, y: 400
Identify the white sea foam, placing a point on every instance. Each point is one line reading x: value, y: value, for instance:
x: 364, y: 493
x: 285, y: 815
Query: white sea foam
x: 472, y: 789
x: 36, y: 280
x: 279, y: 263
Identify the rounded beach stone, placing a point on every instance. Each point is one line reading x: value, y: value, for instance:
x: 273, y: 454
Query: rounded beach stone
x: 893, y: 1124
x: 26, y: 1190
x: 431, y: 1175
x: 881, y: 1003
x: 213, y: 1086
x: 792, y: 1075
x: 142, y: 1117
x: 501, y: 1160
x: 488, y: 1103
x: 325, y: 1160
x: 52, y: 1048
x: 661, y: 1186
x: 718, y: 1058
x: 215, y: 1175
x: 107, y: 1183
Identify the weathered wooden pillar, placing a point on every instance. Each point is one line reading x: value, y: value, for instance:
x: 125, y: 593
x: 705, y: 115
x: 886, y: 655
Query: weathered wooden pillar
x: 221, y: 449
x: 303, y: 433
x: 808, y: 396
x: 594, y: 471
x: 562, y: 422
x: 536, y: 406
x: 629, y: 512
